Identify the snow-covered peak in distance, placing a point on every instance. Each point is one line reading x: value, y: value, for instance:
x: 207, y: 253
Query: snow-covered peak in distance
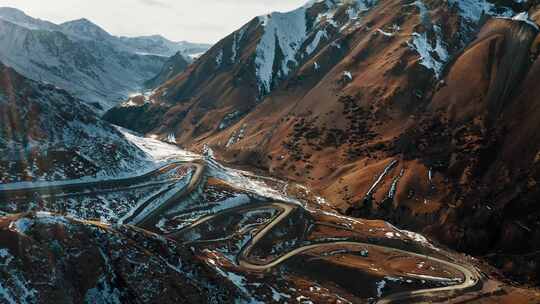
x: 159, y: 45
x: 193, y: 49
x: 82, y: 58
x: 85, y: 29
x: 18, y: 17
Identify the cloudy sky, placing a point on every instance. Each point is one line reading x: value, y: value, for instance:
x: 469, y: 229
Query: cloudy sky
x: 192, y: 20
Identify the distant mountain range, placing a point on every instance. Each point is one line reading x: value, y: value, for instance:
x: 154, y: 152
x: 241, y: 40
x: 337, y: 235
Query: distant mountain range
x: 82, y: 58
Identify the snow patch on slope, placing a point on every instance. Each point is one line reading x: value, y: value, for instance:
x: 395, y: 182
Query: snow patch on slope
x: 157, y: 150
x: 286, y: 31
x: 424, y: 13
x: 315, y: 43
x: 432, y: 55
x: 219, y: 58
x: 237, y: 39
x: 474, y: 10
x: 524, y: 17
x: 21, y: 225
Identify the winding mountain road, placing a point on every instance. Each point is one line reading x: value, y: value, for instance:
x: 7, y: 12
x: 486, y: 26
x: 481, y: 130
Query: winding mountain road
x: 470, y: 277
x: 75, y: 187
x: 154, y: 216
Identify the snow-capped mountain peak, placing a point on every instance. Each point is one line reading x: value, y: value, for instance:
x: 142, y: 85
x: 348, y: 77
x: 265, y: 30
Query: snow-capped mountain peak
x: 286, y: 34
x: 14, y: 14
x: 85, y: 29
x: 18, y: 17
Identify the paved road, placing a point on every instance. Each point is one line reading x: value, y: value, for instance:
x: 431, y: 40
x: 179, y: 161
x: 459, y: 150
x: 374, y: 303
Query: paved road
x: 115, y: 185
x: 82, y: 187
x: 153, y: 217
x: 470, y: 277
x: 63, y: 194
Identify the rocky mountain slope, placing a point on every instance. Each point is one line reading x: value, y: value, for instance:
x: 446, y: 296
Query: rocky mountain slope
x: 172, y: 68
x: 46, y: 134
x: 47, y: 258
x: 419, y: 112
x: 82, y: 58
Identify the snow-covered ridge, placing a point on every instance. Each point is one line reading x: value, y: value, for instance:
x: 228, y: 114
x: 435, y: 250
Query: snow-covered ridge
x: 87, y: 30
x: 434, y: 53
x: 286, y: 31
x: 283, y: 43
x: 18, y: 17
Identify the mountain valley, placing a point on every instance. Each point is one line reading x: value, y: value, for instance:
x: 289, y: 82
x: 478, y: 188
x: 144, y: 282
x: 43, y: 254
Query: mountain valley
x: 82, y: 58
x: 347, y: 151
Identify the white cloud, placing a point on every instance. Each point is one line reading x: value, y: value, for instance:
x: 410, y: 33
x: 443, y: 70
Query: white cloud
x: 192, y: 20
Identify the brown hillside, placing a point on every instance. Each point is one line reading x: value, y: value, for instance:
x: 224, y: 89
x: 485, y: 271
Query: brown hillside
x: 410, y: 113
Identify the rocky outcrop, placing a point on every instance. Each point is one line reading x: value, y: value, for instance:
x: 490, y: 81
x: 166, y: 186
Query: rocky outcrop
x: 172, y: 68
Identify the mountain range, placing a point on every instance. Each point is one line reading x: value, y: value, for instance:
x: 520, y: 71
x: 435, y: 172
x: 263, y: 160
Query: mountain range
x: 83, y: 58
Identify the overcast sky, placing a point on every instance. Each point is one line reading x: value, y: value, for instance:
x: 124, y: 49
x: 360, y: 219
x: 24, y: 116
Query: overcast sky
x: 192, y: 20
